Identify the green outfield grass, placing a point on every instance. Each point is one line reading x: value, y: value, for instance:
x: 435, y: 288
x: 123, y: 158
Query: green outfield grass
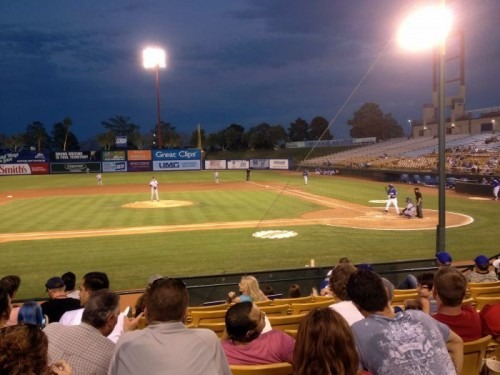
x: 129, y: 260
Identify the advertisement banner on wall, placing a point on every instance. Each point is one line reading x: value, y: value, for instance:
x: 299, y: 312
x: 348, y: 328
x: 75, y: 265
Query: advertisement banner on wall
x: 113, y: 155
x: 114, y: 166
x: 24, y: 156
x: 14, y: 169
x: 39, y: 168
x: 91, y: 167
x: 238, y: 164
x: 215, y: 164
x: 121, y: 141
x: 24, y: 168
x: 139, y: 155
x: 139, y: 166
x: 177, y: 160
x: 279, y: 164
x: 259, y: 163
x: 175, y: 154
x: 176, y: 165
x: 78, y: 156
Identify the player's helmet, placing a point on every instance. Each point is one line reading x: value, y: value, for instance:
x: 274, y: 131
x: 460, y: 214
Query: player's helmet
x: 391, y: 185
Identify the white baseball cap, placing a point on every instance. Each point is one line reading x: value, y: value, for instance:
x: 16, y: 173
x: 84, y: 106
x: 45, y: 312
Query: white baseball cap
x: 496, y: 264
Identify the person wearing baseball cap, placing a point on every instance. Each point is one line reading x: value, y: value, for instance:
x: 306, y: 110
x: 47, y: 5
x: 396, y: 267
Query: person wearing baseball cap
x: 59, y: 302
x: 496, y: 265
x: 443, y: 258
x: 481, y: 272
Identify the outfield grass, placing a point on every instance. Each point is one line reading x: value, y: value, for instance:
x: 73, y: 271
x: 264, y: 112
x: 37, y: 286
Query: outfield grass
x: 129, y: 260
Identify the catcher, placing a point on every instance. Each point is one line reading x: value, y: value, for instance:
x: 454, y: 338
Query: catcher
x: 410, y: 209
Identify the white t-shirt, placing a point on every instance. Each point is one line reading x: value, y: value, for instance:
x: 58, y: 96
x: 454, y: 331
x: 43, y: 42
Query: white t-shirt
x: 74, y: 317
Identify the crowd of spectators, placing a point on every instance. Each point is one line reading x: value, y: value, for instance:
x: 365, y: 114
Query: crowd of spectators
x: 359, y: 333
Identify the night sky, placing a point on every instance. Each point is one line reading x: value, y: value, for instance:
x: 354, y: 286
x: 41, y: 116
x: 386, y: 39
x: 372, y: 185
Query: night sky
x: 229, y: 61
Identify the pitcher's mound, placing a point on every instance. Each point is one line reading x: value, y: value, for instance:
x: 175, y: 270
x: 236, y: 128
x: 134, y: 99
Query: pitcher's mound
x: 160, y: 204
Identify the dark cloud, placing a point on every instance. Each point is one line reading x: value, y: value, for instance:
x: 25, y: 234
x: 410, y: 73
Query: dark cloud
x: 246, y: 62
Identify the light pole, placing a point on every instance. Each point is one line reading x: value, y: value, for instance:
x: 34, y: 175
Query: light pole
x: 409, y: 128
x: 426, y: 28
x: 155, y: 58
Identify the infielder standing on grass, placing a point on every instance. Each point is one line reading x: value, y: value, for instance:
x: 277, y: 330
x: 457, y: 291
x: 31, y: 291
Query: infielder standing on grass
x: 216, y: 177
x: 153, y: 184
x: 306, y: 176
x: 99, y: 179
x: 392, y: 198
x: 496, y: 187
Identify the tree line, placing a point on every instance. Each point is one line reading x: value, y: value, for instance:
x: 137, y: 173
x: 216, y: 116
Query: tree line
x: 368, y: 121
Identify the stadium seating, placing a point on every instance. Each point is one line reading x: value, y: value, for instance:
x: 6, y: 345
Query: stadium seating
x: 299, y: 308
x: 286, y: 322
x: 270, y: 369
x: 474, y: 354
x: 218, y: 327
x: 491, y: 291
x: 482, y: 301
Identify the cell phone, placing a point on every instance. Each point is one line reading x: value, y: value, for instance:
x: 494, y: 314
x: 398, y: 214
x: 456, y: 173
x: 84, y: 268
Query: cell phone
x: 127, y: 311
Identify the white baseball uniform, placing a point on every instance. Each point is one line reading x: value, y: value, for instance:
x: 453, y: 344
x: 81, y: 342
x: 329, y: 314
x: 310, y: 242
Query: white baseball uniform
x: 153, y: 184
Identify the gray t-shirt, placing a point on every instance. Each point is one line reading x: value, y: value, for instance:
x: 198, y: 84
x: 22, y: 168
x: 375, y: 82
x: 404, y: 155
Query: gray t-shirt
x: 411, y: 343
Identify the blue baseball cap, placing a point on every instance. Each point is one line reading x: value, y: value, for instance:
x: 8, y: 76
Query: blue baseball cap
x: 481, y: 260
x: 444, y: 258
x: 366, y: 266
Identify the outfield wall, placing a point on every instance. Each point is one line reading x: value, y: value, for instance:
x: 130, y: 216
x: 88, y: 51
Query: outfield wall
x: 167, y: 160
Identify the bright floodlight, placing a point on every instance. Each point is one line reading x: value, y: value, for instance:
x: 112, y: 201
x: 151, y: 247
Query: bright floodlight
x: 154, y: 57
x: 425, y: 28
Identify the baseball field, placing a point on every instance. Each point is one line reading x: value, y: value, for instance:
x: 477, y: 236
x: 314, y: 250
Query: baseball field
x: 56, y: 223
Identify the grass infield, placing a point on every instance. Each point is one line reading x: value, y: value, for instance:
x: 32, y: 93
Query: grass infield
x: 70, y: 202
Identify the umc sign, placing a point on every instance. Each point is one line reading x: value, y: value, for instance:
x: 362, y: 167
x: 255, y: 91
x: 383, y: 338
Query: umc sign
x: 176, y: 160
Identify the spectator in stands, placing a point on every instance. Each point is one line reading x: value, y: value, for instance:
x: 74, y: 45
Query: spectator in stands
x: 140, y: 304
x: 247, y: 344
x: 11, y: 284
x: 338, y: 285
x: 91, y: 282
x: 69, y: 279
x: 5, y: 307
x: 443, y: 258
x: 59, y: 302
x: 481, y: 272
x: 294, y: 291
x: 403, y: 343
x: 425, y: 288
x: 166, y: 345
x: 85, y: 346
x: 449, y: 291
x: 490, y: 319
x: 23, y: 351
x: 250, y: 291
x: 325, y: 345
x: 496, y: 266
x: 31, y: 313
x: 269, y: 291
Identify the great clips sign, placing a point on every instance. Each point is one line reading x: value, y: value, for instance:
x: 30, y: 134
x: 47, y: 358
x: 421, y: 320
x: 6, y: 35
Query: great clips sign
x: 176, y: 160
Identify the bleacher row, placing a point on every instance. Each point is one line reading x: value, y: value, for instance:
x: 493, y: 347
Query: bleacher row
x: 416, y: 153
x: 478, y: 295
x: 286, y: 314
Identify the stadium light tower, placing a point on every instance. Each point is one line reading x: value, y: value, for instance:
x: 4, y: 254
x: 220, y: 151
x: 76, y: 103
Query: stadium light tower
x: 155, y: 58
x: 424, y: 29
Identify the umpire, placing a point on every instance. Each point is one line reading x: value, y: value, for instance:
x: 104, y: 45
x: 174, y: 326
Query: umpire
x: 418, y: 203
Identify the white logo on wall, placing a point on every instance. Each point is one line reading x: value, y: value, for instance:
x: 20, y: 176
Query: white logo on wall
x: 121, y: 140
x: 275, y: 234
